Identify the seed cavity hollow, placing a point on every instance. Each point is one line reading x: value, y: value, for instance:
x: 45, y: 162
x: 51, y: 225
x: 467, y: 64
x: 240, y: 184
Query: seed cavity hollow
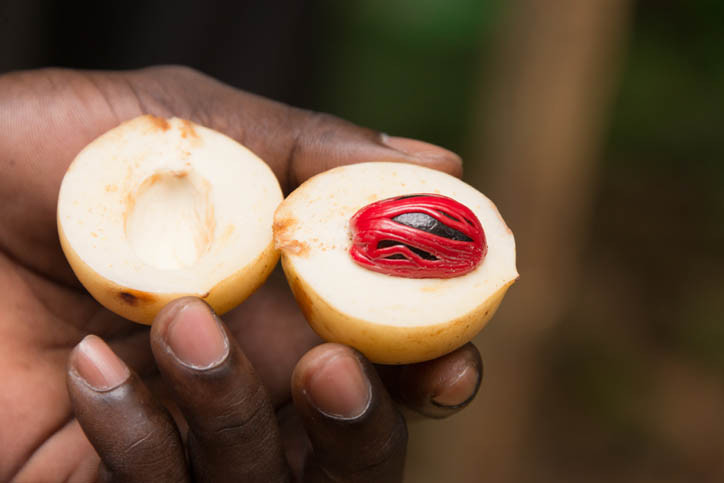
x: 169, y: 219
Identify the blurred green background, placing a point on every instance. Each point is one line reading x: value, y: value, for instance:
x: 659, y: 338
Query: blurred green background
x: 405, y: 67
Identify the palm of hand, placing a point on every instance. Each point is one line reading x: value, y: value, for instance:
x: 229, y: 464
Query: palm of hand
x: 45, y: 312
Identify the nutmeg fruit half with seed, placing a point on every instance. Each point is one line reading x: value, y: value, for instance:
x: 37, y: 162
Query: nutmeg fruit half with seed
x: 156, y: 209
x: 402, y: 262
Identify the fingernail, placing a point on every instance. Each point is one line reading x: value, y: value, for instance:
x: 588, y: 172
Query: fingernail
x: 195, y: 336
x: 414, y: 147
x: 460, y: 390
x: 339, y: 388
x: 98, y: 365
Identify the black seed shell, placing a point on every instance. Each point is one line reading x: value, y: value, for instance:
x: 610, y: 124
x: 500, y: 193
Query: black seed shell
x: 425, y: 222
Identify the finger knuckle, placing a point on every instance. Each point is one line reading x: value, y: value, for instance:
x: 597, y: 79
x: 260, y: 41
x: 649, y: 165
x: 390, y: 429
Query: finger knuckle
x: 238, y: 416
x: 381, y: 454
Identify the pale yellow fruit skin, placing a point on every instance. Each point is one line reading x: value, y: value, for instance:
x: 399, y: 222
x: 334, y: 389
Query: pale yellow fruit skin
x: 142, y: 306
x: 389, y: 344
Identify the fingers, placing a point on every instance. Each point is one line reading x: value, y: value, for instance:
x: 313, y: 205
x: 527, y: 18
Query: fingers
x: 233, y: 435
x: 437, y: 388
x: 134, y: 436
x: 356, y: 432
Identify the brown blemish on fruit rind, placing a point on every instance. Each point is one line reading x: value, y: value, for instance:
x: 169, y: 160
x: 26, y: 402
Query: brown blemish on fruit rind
x: 294, y: 247
x: 284, y: 238
x: 135, y: 297
x: 187, y: 130
x: 283, y: 225
x: 159, y: 123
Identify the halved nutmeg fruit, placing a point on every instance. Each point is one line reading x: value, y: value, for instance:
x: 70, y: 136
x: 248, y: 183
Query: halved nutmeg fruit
x: 156, y: 209
x: 402, y: 262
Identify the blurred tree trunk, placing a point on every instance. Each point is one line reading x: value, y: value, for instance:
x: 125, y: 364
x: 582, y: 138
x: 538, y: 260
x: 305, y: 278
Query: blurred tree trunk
x: 535, y: 142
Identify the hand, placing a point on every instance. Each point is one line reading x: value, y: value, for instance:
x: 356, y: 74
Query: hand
x: 234, y: 414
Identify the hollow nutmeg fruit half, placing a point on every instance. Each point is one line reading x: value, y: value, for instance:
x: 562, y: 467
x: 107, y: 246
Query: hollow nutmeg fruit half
x: 156, y: 209
x: 402, y: 262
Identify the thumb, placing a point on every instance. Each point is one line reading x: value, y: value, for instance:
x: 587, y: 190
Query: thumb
x: 326, y: 142
x: 296, y: 143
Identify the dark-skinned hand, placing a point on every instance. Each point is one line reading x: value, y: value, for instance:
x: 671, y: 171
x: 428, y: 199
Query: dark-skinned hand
x: 253, y: 398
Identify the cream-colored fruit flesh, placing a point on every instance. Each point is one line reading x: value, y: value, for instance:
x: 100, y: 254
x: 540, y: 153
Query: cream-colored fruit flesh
x: 390, y: 319
x: 156, y: 209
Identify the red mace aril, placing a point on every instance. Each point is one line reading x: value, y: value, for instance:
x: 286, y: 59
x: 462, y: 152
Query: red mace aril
x: 418, y: 236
